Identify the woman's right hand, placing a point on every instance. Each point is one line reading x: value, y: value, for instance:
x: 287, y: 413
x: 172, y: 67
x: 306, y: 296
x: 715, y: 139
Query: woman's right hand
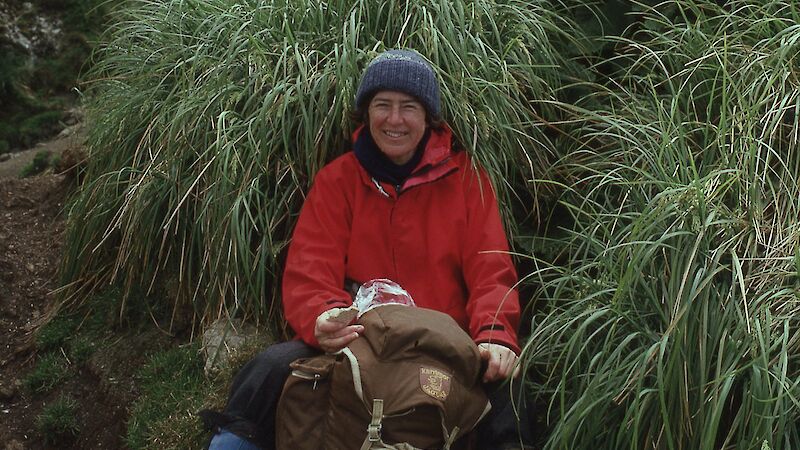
x: 332, y: 334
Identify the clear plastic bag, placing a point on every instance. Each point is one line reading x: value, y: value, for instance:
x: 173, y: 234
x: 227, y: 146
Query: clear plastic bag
x: 379, y: 292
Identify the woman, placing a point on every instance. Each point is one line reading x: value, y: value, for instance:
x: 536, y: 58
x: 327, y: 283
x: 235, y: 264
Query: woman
x: 403, y: 205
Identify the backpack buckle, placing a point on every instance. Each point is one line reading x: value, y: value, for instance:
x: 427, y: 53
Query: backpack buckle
x: 374, y: 432
x: 374, y: 428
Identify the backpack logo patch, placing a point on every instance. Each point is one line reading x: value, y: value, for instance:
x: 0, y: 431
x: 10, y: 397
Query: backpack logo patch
x: 434, y: 382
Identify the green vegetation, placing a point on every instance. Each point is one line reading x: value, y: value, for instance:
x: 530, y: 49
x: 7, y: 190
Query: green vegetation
x: 671, y: 319
x: 36, y: 90
x: 51, y: 370
x: 38, y: 126
x: 170, y: 385
x: 64, y: 344
x: 56, y: 333
x: 648, y: 162
x: 40, y: 163
x: 80, y: 349
x: 173, y: 389
x: 58, y: 422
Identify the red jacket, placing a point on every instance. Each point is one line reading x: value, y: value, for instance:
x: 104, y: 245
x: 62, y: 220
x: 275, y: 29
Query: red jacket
x: 440, y: 238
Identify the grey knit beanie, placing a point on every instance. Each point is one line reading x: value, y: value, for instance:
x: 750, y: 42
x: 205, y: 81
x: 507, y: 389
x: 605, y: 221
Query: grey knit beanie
x: 404, y: 71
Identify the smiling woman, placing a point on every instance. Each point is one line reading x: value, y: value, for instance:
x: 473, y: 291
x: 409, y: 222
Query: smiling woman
x: 406, y: 205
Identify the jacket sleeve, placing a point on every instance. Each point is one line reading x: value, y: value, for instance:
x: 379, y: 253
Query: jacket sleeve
x: 493, y: 303
x: 313, y: 277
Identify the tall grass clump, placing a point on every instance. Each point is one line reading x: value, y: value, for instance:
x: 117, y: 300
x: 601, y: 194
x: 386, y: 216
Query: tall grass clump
x: 209, y: 119
x: 672, y: 320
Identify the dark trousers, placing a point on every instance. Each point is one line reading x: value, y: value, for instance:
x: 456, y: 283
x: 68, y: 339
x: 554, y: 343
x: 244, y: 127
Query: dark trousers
x: 253, y: 401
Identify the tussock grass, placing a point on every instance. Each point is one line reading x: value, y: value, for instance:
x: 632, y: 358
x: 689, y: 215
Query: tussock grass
x: 673, y: 322
x: 210, y: 118
x: 58, y: 421
x: 51, y: 370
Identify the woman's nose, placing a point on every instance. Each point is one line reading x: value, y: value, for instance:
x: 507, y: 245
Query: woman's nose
x: 394, y: 114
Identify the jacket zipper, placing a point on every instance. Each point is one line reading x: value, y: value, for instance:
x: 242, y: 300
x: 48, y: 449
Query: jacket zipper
x: 398, y: 190
x: 391, y: 230
x: 380, y: 188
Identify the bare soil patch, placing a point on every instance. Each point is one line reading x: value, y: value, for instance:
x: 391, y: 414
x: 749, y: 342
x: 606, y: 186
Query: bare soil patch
x: 31, y: 242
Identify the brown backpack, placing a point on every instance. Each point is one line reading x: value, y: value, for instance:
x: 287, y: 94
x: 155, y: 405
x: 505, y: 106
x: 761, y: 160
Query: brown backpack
x: 412, y: 381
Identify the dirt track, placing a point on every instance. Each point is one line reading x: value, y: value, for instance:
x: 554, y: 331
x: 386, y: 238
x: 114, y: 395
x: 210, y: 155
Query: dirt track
x: 31, y: 242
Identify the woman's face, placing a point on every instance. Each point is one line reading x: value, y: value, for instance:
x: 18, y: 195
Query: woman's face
x: 397, y: 124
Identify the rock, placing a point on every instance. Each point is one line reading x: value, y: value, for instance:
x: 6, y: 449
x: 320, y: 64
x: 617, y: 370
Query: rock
x: 223, y: 340
x: 73, y: 116
x: 5, y: 157
x: 70, y: 130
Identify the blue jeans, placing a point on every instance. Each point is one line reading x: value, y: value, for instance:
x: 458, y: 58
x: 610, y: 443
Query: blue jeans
x: 255, y: 391
x: 225, y: 440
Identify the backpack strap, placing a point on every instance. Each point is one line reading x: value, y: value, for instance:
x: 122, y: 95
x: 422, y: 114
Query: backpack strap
x: 374, y: 428
x: 374, y: 441
x: 450, y: 439
x: 356, y: 369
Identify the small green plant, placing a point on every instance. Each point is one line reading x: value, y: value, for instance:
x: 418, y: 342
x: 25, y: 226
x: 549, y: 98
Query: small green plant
x: 39, y: 164
x: 56, y: 333
x: 55, y: 161
x: 7, y: 136
x: 36, y: 91
x: 51, y: 370
x: 67, y: 335
x: 81, y: 349
x: 58, y: 422
x: 39, y: 126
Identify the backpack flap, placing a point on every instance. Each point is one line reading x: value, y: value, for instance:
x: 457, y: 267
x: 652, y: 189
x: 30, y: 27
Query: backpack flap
x: 423, y: 368
x: 397, y: 332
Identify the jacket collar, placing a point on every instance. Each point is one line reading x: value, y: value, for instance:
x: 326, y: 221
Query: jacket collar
x: 435, y: 163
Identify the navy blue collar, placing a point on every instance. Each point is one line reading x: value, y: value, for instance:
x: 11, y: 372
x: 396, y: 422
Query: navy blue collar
x: 379, y: 166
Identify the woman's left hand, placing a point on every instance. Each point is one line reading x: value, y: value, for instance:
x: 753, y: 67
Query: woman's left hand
x: 501, y: 362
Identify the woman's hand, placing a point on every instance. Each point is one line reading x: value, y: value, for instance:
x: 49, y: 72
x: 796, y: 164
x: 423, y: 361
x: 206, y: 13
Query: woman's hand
x: 501, y: 362
x: 332, y: 333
